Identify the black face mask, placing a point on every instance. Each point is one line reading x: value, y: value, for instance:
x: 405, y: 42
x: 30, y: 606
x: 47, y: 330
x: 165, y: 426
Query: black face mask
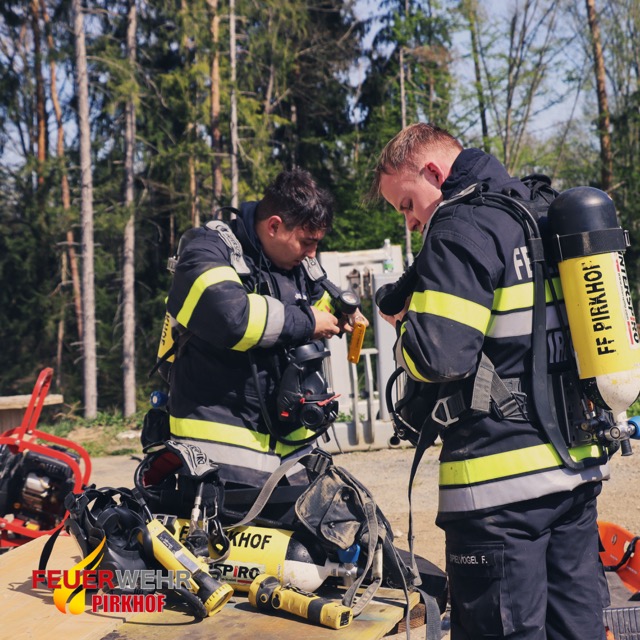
x: 303, y: 396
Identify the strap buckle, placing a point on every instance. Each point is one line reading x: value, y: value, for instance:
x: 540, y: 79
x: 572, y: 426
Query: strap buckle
x: 447, y: 410
x: 318, y: 461
x: 515, y: 408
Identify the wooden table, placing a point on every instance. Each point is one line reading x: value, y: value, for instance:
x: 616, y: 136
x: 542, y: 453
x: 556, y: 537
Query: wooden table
x: 29, y: 613
x: 12, y: 408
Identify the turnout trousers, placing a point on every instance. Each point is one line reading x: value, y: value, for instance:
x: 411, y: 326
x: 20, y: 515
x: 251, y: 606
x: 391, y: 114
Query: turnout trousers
x: 528, y: 571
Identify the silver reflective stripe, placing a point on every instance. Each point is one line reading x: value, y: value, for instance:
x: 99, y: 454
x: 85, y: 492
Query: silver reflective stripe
x: 518, y: 323
x: 275, y: 322
x: 526, y: 487
x: 240, y: 457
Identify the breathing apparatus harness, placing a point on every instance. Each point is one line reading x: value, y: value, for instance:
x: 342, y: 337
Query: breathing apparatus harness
x: 303, y: 397
x: 490, y: 392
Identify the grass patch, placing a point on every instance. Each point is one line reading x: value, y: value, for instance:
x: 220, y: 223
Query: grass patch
x: 109, y: 434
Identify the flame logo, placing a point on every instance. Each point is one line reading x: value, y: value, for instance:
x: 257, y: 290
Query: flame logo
x: 74, y: 594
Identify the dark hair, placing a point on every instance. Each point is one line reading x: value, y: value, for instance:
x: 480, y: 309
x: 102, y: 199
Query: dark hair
x: 298, y: 200
x: 402, y: 151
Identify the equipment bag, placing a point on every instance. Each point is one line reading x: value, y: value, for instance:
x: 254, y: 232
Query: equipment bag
x: 340, y: 512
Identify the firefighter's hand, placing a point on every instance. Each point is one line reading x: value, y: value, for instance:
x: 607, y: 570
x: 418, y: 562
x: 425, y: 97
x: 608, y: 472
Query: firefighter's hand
x: 347, y: 323
x: 398, y: 317
x: 326, y: 324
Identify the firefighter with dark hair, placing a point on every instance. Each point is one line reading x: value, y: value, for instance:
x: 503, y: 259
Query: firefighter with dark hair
x: 243, y: 298
x: 520, y: 522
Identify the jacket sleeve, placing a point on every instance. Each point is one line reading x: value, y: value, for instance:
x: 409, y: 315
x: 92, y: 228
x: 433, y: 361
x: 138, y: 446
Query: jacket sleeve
x: 207, y: 298
x: 442, y: 334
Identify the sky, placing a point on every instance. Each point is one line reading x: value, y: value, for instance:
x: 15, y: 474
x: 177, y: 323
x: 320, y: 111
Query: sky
x: 542, y: 124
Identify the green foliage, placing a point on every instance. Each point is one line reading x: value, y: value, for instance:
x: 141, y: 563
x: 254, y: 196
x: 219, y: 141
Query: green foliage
x: 424, y: 35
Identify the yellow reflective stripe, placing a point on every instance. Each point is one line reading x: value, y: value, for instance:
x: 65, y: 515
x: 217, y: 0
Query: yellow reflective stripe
x: 557, y: 285
x: 446, y: 305
x: 411, y: 365
x: 325, y: 303
x: 256, y: 324
x: 203, y: 281
x: 520, y: 296
x: 509, y: 463
x: 233, y: 435
x: 302, y: 433
x: 218, y: 432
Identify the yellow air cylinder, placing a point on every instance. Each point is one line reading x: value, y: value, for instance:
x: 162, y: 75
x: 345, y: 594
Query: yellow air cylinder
x: 590, y: 247
x: 292, y: 557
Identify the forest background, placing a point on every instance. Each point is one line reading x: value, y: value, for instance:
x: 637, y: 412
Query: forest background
x: 125, y: 122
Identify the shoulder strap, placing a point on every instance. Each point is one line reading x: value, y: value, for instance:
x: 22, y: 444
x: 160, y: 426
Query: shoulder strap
x: 465, y: 195
x: 228, y: 237
x: 272, y: 482
x: 48, y: 547
x: 313, y: 269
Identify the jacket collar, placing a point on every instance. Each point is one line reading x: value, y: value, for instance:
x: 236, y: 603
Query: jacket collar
x: 473, y: 166
x: 246, y: 232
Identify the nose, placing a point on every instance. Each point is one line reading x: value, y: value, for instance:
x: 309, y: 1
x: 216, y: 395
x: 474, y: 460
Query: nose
x: 412, y: 222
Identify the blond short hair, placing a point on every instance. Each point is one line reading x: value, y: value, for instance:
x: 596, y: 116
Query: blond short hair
x: 403, y: 150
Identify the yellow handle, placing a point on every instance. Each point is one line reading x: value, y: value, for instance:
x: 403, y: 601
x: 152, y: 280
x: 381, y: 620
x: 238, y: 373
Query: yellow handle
x: 357, y: 338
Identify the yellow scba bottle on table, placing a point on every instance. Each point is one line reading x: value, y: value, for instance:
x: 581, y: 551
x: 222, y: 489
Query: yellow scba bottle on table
x: 292, y: 557
x: 267, y: 594
x: 589, y: 245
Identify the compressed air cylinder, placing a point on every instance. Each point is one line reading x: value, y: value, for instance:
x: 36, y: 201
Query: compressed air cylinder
x: 589, y: 247
x: 294, y: 558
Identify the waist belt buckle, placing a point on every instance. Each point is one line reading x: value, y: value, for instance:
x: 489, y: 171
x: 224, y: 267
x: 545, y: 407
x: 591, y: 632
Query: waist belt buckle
x: 442, y: 406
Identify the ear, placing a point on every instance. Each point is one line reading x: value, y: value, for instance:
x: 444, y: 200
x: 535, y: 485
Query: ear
x: 434, y: 172
x: 273, y: 224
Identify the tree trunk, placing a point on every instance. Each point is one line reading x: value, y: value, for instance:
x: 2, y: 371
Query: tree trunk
x: 40, y: 107
x: 86, y: 184
x: 75, y: 276
x: 129, y: 243
x: 403, y: 113
x: 604, y: 122
x: 471, y: 10
x: 216, y: 136
x: 403, y: 93
x: 61, y: 326
x: 234, y: 105
x: 72, y: 262
x: 193, y: 189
